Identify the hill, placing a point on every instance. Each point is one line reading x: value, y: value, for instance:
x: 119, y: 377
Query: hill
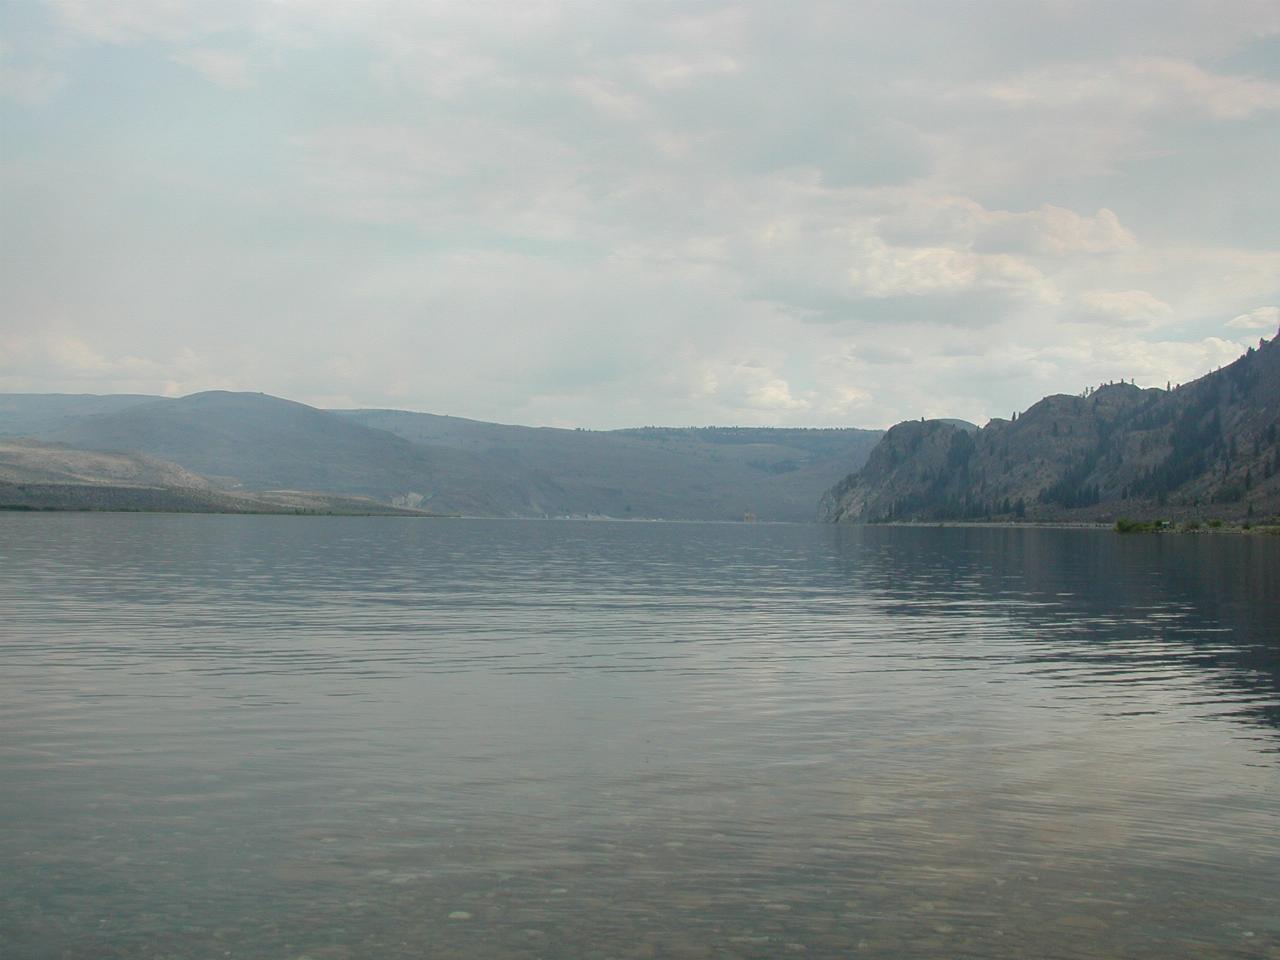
x: 254, y: 443
x: 44, y: 476
x: 713, y: 473
x: 43, y: 414
x: 1207, y: 447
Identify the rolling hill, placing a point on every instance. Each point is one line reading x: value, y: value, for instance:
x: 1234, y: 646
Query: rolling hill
x: 715, y: 473
x: 255, y: 443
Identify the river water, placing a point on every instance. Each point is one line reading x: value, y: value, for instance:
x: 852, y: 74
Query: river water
x: 284, y: 737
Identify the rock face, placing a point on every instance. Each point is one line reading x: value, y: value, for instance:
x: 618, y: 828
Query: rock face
x: 1206, y: 448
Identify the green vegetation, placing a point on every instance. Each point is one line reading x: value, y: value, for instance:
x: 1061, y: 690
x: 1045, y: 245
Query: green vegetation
x: 1124, y: 525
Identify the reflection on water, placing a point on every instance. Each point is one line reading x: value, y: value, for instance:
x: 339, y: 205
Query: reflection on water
x: 347, y: 737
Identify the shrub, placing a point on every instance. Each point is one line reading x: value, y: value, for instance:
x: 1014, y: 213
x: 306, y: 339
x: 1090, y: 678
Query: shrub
x: 1124, y: 525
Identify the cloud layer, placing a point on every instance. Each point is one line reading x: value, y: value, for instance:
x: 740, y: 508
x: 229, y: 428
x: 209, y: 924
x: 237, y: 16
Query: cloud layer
x: 609, y: 214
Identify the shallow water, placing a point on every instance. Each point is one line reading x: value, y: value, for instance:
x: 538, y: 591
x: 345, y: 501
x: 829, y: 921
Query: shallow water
x: 374, y: 737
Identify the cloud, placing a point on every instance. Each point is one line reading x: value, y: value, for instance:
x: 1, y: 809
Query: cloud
x: 1259, y: 318
x: 841, y: 255
x: 1054, y: 231
x: 1150, y: 362
x: 129, y: 21
x: 749, y: 384
x: 30, y: 83
x: 222, y: 67
x: 667, y: 72
x: 884, y: 354
x: 1139, y: 86
x: 918, y: 217
x: 456, y: 173
x: 1122, y: 308
x: 613, y: 214
x: 52, y: 361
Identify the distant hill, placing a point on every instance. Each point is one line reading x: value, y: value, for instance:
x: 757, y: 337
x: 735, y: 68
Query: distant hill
x: 1207, y: 448
x: 43, y: 414
x: 711, y: 473
x: 254, y: 443
x: 45, y: 476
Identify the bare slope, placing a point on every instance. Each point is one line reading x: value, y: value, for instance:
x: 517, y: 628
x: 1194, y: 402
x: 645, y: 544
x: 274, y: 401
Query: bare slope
x: 32, y: 461
x: 1208, y: 447
x: 47, y: 476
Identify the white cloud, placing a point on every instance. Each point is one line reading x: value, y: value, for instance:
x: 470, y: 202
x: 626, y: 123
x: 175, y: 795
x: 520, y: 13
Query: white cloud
x: 1122, y: 308
x: 30, y: 86
x: 1259, y: 318
x: 1102, y: 359
x: 1145, y: 85
x: 608, y: 97
x: 127, y: 21
x: 56, y: 361
x: 222, y: 67
x: 879, y: 270
x: 914, y: 216
x: 33, y: 67
x: 668, y: 72
x: 749, y: 384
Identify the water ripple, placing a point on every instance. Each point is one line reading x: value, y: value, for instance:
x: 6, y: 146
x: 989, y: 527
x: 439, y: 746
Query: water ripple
x: 367, y: 737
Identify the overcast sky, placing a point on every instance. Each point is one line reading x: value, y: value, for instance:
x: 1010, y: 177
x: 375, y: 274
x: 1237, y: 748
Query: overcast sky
x: 608, y: 214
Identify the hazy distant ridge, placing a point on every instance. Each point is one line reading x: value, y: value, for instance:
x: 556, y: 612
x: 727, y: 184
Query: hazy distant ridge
x: 250, y: 442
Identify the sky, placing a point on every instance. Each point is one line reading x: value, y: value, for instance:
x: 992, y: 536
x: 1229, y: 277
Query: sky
x: 607, y: 214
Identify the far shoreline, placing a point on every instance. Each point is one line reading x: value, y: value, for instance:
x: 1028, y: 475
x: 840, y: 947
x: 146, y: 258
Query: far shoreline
x: 1196, y: 527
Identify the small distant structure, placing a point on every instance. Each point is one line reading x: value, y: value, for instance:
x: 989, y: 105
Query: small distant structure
x: 749, y: 517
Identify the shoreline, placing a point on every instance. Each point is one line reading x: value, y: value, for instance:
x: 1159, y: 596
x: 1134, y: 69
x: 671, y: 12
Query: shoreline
x: 284, y: 512
x: 1202, y: 527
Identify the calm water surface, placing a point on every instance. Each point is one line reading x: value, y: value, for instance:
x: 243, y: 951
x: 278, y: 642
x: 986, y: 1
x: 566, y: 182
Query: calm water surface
x: 373, y: 737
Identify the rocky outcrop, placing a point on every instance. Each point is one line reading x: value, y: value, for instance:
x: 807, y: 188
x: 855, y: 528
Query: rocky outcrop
x: 1207, y: 447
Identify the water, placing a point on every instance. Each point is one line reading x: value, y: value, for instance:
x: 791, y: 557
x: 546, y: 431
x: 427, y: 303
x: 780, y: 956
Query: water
x: 375, y: 737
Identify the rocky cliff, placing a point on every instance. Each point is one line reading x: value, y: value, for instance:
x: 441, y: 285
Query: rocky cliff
x: 1208, y: 447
